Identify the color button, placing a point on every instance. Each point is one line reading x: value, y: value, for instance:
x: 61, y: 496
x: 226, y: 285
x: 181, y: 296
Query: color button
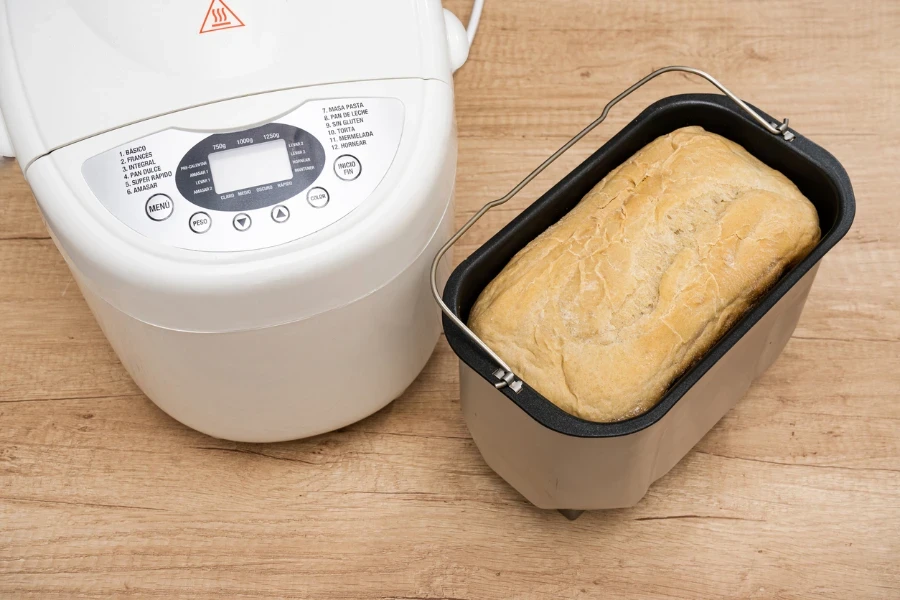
x: 318, y: 197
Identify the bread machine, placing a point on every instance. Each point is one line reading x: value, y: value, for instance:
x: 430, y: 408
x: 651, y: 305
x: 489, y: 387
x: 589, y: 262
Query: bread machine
x: 249, y: 194
x: 559, y: 461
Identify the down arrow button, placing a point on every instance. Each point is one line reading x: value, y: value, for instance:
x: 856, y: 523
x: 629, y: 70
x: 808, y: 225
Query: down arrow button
x: 242, y: 222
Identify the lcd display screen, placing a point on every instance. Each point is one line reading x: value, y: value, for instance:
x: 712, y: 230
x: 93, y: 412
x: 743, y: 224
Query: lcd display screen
x: 250, y: 166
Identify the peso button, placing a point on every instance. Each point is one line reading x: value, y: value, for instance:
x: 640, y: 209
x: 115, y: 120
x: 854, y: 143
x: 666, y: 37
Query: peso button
x: 347, y: 167
x: 159, y: 207
x: 200, y: 222
x: 318, y: 197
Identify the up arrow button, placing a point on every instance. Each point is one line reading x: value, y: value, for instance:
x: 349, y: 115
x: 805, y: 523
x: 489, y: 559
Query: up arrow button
x: 280, y: 214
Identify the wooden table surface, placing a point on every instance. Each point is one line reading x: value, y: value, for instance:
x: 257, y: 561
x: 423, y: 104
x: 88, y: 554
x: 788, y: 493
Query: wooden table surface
x: 795, y: 494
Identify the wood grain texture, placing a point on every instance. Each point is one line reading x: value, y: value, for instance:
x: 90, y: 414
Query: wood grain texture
x: 795, y: 494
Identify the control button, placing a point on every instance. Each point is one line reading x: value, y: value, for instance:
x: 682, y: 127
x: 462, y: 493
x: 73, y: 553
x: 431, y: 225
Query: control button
x: 318, y: 197
x: 242, y: 222
x: 200, y: 222
x: 347, y: 167
x: 280, y: 214
x: 159, y: 207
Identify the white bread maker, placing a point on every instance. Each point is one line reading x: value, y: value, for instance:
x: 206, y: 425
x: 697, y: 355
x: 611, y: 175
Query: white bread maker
x: 249, y: 193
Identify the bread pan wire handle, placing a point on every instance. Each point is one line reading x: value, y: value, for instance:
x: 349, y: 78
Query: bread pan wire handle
x: 505, y: 376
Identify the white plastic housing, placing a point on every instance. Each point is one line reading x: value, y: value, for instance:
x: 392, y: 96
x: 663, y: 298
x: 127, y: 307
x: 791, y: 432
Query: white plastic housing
x: 215, y: 292
x: 71, y: 69
x: 290, y: 381
x: 6, y: 148
x: 280, y: 343
x: 278, y: 339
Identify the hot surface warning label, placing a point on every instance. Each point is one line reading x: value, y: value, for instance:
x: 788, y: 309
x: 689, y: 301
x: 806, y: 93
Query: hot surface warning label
x: 220, y: 17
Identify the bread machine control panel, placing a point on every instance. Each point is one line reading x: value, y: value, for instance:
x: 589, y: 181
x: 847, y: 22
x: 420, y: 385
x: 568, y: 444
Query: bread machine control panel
x: 254, y: 188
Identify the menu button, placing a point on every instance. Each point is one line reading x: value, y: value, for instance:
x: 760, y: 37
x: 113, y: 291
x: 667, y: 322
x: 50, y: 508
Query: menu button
x: 159, y: 207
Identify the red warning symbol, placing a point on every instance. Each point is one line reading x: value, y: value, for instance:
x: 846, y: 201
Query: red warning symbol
x: 219, y: 17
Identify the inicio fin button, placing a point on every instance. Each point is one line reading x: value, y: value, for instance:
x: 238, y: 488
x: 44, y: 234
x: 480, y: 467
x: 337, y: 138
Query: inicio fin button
x: 318, y: 197
x: 159, y: 207
x: 242, y: 222
x: 347, y: 167
x: 280, y: 214
x: 200, y: 222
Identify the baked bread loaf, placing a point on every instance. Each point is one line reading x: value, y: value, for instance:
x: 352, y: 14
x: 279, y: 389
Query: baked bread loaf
x: 606, y: 308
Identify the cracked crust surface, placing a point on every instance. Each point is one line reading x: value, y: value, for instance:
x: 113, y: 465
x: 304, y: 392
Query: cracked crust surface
x: 607, y: 307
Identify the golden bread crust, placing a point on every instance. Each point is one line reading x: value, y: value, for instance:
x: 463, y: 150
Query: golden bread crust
x: 606, y: 308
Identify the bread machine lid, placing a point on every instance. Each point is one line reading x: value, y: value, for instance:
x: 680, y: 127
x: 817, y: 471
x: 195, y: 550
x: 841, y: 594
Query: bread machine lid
x: 88, y: 66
